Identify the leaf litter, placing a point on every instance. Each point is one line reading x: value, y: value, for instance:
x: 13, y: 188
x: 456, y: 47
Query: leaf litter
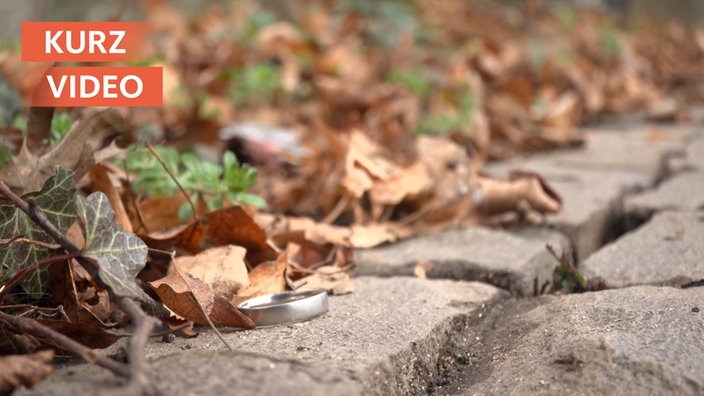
x: 298, y: 137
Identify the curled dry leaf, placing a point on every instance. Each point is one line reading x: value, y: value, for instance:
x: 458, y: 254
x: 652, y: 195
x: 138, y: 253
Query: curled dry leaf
x: 266, y: 278
x: 524, y: 191
x: 228, y: 226
x: 83, y: 301
x: 222, y: 268
x: 24, y: 370
x: 334, y: 280
x: 192, y: 299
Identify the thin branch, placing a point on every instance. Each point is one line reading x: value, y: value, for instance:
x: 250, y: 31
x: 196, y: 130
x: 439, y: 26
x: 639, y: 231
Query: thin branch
x: 31, y: 326
x: 143, y: 326
x: 130, y: 193
x: 341, y: 205
x: 173, y: 177
x: 30, y: 209
x: 20, y: 239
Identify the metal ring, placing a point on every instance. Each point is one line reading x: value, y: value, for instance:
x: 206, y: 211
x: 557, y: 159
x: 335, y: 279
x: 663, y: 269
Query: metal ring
x: 287, y: 307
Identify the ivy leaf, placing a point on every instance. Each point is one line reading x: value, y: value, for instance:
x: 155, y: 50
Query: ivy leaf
x: 56, y: 201
x: 120, y: 254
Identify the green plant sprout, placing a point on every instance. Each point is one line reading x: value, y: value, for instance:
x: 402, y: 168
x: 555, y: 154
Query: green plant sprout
x: 459, y: 120
x: 213, y: 183
x: 60, y: 125
x: 413, y: 80
x: 610, y: 44
x: 260, y: 82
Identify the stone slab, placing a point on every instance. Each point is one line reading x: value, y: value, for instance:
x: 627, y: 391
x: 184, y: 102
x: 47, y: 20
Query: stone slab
x: 692, y: 159
x: 592, y: 180
x: 642, y: 340
x: 515, y: 261
x: 385, y: 338
x: 669, y: 249
x: 682, y: 192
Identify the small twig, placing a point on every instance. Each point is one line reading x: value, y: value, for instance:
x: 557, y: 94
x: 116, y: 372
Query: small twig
x: 342, y: 204
x: 173, y: 177
x: 130, y: 193
x: 143, y: 326
x: 31, y: 326
x: 20, y: 239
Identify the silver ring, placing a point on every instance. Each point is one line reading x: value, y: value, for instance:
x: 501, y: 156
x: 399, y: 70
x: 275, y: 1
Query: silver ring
x: 287, y: 307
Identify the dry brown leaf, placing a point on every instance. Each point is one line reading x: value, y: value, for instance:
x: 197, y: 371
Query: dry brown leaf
x: 332, y: 279
x: 421, y: 269
x: 407, y: 182
x: 188, y: 297
x: 228, y: 226
x: 522, y: 188
x: 222, y: 268
x: 266, y: 278
x: 368, y: 236
x: 72, y: 152
x: 364, y: 164
x: 24, y: 370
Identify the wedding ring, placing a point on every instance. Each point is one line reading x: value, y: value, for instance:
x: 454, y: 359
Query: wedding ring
x: 287, y: 307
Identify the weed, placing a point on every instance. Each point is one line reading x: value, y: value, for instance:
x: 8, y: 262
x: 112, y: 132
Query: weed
x: 215, y: 184
x: 60, y: 125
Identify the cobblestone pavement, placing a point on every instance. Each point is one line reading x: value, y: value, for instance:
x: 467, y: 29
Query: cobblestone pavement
x: 634, y: 214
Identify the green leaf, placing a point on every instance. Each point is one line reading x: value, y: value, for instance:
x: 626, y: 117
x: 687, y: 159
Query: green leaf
x: 120, y: 254
x: 60, y: 125
x: 251, y: 199
x: 56, y: 201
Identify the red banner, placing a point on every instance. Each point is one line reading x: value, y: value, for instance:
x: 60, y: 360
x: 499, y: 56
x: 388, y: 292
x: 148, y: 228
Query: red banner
x: 82, y: 41
x: 100, y: 86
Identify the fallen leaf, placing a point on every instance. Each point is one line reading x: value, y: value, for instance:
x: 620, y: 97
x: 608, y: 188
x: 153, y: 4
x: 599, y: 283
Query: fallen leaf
x: 421, y: 269
x: 24, y: 370
x: 332, y: 279
x: 266, y: 278
x: 72, y: 152
x: 222, y: 268
x: 228, y: 226
x: 522, y: 188
x: 192, y: 299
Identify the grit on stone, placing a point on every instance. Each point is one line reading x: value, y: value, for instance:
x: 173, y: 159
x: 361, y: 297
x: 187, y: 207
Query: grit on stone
x: 385, y: 338
x: 666, y: 250
x: 637, y: 341
x: 510, y: 260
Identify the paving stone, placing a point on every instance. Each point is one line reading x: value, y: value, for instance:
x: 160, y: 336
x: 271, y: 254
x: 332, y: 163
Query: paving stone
x: 666, y: 250
x: 683, y: 192
x: 509, y: 260
x: 642, y: 340
x: 692, y: 159
x: 593, y: 180
x: 385, y: 338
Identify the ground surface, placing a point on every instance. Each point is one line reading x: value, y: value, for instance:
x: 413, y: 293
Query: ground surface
x: 634, y: 213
